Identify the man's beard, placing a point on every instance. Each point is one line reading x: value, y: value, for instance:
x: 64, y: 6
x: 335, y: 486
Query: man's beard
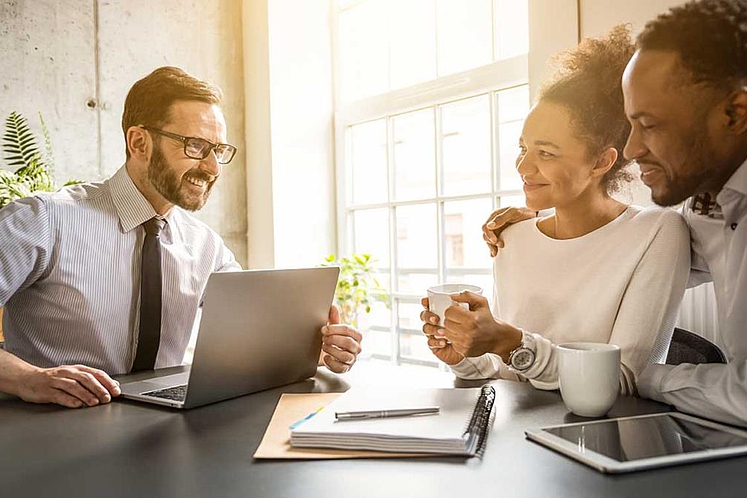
x: 169, y: 185
x: 684, y: 184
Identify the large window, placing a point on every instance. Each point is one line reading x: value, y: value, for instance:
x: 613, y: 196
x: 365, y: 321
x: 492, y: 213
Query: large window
x: 431, y: 99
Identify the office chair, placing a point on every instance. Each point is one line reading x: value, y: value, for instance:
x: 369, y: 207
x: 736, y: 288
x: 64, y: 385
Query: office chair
x: 687, y: 347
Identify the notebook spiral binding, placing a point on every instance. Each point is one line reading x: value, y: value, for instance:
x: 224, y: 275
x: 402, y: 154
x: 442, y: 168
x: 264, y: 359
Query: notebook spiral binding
x: 479, y: 422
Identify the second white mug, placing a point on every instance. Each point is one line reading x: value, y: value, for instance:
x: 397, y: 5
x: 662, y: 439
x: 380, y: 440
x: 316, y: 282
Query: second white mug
x: 589, y: 376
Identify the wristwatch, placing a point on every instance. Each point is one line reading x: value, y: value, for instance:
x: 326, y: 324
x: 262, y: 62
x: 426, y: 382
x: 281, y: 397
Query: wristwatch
x: 522, y: 358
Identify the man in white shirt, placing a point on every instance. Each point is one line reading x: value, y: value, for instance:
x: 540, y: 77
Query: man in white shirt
x: 105, y: 278
x: 686, y: 98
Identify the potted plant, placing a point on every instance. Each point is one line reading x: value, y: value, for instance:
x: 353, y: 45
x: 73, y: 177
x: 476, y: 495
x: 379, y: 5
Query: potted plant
x: 357, y: 286
x: 31, y: 167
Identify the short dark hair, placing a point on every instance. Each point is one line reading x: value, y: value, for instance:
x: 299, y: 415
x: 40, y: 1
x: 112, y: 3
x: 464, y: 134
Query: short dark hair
x: 149, y: 100
x: 589, y: 84
x: 710, y: 37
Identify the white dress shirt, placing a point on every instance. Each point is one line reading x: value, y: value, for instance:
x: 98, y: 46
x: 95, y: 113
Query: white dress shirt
x: 719, y: 249
x: 620, y: 284
x: 70, y: 275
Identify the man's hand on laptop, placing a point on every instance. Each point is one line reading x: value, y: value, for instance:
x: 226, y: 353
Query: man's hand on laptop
x: 73, y: 386
x: 499, y: 220
x: 341, y: 343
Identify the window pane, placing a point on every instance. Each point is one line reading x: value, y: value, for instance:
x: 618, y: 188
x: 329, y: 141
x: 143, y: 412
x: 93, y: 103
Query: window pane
x: 364, y: 51
x: 372, y: 234
x: 408, y: 314
x: 465, y: 127
x: 464, y: 245
x: 414, y: 155
x: 376, y: 342
x: 511, y: 28
x: 513, y: 106
x: 415, y: 347
x: 417, y: 253
x: 412, y: 25
x: 368, y: 157
x: 465, y: 35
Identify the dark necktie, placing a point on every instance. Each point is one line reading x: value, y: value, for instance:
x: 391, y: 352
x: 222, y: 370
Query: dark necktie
x: 150, y: 297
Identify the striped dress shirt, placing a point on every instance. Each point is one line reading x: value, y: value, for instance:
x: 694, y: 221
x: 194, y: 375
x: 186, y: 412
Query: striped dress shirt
x: 70, y: 275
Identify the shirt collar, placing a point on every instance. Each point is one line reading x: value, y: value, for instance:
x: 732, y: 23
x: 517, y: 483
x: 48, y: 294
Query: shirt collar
x: 132, y: 207
x: 738, y: 181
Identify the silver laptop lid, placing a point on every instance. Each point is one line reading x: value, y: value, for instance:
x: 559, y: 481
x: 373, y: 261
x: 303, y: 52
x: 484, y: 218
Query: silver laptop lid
x: 260, y: 329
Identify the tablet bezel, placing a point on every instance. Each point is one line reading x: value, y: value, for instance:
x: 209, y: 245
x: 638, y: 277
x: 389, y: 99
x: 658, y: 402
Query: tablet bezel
x: 611, y: 466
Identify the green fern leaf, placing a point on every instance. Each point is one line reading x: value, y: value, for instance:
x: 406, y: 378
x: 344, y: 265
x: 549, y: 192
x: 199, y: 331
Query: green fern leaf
x: 19, y: 143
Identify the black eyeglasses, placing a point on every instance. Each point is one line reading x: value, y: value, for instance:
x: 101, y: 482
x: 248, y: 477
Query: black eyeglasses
x: 199, y: 148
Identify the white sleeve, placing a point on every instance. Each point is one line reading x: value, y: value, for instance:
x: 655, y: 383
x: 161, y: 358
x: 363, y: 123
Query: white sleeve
x: 487, y: 366
x: 25, y: 245
x: 714, y: 391
x: 647, y: 312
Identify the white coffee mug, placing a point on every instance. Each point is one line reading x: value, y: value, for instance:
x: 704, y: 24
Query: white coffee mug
x: 439, y: 298
x: 589, y: 376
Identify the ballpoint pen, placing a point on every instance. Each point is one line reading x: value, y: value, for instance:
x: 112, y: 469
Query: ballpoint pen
x: 367, y: 414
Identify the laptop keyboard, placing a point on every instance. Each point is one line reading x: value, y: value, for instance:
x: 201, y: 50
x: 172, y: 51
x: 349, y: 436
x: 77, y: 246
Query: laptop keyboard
x: 176, y: 393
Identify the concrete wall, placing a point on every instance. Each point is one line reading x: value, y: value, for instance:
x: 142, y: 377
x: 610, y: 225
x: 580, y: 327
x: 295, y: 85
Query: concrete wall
x: 75, y: 60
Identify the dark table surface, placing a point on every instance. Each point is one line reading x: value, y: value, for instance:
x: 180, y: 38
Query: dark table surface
x: 128, y: 449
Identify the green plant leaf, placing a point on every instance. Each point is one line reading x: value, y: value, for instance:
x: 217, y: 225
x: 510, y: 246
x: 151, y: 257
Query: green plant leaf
x: 19, y: 143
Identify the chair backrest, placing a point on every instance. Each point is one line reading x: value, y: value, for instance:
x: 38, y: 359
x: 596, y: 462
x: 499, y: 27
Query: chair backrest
x: 687, y: 347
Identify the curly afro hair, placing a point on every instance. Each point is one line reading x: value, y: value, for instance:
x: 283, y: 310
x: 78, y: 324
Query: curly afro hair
x: 588, y: 84
x: 710, y: 37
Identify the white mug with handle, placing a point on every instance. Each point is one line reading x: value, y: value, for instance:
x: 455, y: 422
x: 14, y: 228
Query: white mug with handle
x: 439, y: 298
x: 589, y: 376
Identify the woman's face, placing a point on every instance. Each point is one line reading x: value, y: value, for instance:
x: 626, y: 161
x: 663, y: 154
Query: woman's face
x: 552, y: 162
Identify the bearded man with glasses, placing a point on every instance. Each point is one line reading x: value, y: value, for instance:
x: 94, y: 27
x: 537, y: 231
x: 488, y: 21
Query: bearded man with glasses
x: 106, y: 278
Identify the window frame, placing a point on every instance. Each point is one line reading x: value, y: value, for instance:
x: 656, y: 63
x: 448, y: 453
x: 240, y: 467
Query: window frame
x: 488, y: 79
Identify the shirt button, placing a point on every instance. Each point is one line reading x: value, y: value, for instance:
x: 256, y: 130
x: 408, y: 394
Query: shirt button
x: 733, y: 226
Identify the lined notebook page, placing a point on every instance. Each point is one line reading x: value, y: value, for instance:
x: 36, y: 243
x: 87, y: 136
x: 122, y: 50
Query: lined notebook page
x: 456, y: 406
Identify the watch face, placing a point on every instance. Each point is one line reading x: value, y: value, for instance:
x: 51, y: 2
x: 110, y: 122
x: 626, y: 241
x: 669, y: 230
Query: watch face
x: 522, y: 359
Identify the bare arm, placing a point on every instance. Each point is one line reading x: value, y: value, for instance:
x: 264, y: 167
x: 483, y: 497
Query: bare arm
x: 72, y: 386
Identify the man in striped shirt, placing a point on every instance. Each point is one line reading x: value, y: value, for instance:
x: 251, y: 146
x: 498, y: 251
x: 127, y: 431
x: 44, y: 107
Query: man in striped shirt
x: 70, y: 262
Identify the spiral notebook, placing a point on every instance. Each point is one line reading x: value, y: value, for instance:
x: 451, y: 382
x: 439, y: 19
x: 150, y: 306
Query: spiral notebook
x: 460, y: 428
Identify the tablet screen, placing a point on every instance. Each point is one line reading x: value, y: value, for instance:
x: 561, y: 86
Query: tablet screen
x: 648, y: 437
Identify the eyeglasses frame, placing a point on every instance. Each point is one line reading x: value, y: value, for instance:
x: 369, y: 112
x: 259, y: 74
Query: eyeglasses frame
x: 183, y: 139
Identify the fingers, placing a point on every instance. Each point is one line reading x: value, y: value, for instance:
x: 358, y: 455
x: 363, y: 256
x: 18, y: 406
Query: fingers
x: 74, y: 387
x: 429, y: 330
x: 344, y: 343
x: 335, y: 365
x: 507, y: 217
x: 428, y: 317
x: 338, y: 354
x: 435, y: 343
x: 329, y: 331
x: 334, y: 315
x: 425, y: 302
x: 111, y: 385
x: 475, y: 301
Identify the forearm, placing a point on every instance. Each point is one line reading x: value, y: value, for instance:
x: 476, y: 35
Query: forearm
x: 714, y: 391
x: 487, y: 366
x: 12, y: 372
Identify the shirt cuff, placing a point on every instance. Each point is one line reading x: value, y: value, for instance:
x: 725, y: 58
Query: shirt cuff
x: 650, y: 380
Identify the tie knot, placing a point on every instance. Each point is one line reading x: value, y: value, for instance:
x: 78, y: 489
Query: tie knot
x: 154, y: 226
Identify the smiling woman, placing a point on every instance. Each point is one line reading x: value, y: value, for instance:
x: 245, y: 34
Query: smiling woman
x: 596, y: 270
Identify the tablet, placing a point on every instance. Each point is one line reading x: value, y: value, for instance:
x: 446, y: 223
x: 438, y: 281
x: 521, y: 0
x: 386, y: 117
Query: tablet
x: 643, y: 442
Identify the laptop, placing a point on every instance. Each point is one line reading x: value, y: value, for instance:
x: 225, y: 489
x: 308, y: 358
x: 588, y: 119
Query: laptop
x: 260, y: 329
